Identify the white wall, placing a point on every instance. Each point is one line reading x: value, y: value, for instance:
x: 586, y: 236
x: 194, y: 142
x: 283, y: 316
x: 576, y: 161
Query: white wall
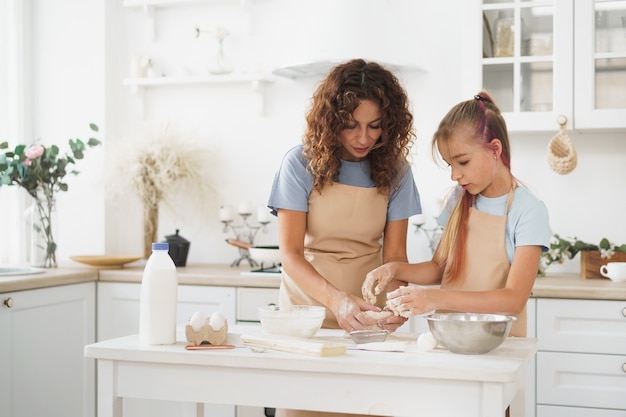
x: 588, y: 203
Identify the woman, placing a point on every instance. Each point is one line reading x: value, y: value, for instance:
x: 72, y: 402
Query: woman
x: 343, y: 197
x: 495, y: 229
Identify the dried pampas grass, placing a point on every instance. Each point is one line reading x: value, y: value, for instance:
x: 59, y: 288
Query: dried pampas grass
x: 162, y: 167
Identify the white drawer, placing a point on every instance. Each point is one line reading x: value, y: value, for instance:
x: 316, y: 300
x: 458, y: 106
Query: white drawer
x: 553, y: 411
x: 581, y: 380
x: 594, y: 326
x: 250, y: 299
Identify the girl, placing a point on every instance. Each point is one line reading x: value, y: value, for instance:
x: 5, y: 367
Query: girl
x: 495, y: 229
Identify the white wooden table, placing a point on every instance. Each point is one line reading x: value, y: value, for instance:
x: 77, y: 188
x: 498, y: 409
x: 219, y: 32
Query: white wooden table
x: 436, y: 383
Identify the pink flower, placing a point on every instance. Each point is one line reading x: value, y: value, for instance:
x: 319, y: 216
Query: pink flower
x: 34, y: 152
x: 28, y: 162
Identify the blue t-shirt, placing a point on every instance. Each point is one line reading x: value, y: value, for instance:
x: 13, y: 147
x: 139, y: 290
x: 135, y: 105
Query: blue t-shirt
x: 293, y: 185
x: 527, y: 223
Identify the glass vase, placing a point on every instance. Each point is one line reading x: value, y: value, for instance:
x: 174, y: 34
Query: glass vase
x: 42, y: 221
x: 220, y: 64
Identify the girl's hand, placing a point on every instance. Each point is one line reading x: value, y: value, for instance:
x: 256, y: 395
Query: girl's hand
x: 410, y: 300
x: 377, y: 280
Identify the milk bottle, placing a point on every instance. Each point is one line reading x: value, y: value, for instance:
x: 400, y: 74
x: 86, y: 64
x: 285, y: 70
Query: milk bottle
x: 158, y: 299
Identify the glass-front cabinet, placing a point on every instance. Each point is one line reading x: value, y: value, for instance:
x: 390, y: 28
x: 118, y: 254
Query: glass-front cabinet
x: 542, y: 59
x: 600, y: 64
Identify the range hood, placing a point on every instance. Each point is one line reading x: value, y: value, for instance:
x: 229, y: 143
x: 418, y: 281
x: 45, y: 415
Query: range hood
x: 336, y: 31
x: 322, y: 67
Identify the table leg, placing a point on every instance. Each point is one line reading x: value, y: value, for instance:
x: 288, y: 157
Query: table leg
x: 109, y: 404
x: 518, y: 405
x: 493, y: 400
x: 199, y: 409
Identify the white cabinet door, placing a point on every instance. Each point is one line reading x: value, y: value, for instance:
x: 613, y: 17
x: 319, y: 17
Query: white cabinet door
x: 533, y: 83
x: 582, y: 380
x: 118, y: 315
x: 531, y: 331
x: 553, y: 411
x: 595, y: 326
x: 250, y: 299
x: 568, y: 58
x: 600, y: 64
x: 43, y: 334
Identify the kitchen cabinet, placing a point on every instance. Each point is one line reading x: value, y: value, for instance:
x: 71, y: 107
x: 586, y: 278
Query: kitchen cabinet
x: 522, y: 52
x: 118, y: 315
x: 531, y: 377
x: 250, y: 299
x: 44, y: 370
x: 581, y: 358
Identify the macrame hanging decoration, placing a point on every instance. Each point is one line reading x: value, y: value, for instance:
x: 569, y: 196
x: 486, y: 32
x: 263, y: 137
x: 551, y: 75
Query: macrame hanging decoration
x: 561, y: 152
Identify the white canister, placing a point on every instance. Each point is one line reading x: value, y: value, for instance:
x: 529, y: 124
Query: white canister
x: 159, y: 298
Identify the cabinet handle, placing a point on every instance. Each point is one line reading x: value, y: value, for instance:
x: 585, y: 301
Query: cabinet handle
x: 624, y: 367
x: 624, y: 312
x: 8, y: 302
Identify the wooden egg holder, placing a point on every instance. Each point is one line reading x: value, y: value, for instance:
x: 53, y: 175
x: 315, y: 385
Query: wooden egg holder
x: 206, y: 334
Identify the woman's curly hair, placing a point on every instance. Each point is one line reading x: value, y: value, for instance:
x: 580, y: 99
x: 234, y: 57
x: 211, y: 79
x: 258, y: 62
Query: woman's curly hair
x: 332, y: 106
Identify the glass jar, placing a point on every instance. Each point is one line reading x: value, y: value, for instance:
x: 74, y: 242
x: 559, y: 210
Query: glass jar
x: 504, y: 30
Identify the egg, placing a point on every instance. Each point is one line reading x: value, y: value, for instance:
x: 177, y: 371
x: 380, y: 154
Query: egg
x: 426, y: 341
x: 217, y: 320
x: 197, y: 320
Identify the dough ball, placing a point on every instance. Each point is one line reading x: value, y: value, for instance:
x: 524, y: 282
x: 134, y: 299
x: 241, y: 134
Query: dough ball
x: 379, y: 315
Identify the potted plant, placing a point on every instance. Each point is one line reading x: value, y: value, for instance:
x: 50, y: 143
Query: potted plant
x: 592, y: 256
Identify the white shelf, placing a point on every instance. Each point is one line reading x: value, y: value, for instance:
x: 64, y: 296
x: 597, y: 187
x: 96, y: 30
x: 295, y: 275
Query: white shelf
x: 257, y: 83
x: 199, y: 79
x: 148, y: 4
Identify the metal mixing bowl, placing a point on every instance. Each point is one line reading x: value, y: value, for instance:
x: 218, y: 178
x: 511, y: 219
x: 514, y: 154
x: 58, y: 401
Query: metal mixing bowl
x: 470, y: 333
x: 368, y: 336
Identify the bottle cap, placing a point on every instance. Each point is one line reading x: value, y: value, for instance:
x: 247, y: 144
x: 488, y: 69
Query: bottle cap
x: 160, y: 246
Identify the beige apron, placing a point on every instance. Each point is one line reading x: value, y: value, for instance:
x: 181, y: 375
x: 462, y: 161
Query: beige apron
x: 487, y: 264
x: 345, y: 226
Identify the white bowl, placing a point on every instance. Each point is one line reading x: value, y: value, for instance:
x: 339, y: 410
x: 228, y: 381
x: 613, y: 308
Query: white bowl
x: 297, y: 321
x: 265, y: 255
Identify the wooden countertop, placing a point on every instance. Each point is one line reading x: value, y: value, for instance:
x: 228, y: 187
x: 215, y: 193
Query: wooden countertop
x: 550, y: 286
x: 47, y: 278
x: 207, y: 274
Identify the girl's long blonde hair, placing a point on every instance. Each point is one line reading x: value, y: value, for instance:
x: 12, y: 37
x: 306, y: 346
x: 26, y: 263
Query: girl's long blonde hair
x: 482, y: 113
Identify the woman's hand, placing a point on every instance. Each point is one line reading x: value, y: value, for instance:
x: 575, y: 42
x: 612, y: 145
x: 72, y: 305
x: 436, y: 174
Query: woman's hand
x: 351, y: 314
x: 377, y: 280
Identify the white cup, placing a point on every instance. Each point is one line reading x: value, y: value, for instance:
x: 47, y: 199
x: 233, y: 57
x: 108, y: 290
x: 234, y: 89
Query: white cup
x: 614, y: 270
